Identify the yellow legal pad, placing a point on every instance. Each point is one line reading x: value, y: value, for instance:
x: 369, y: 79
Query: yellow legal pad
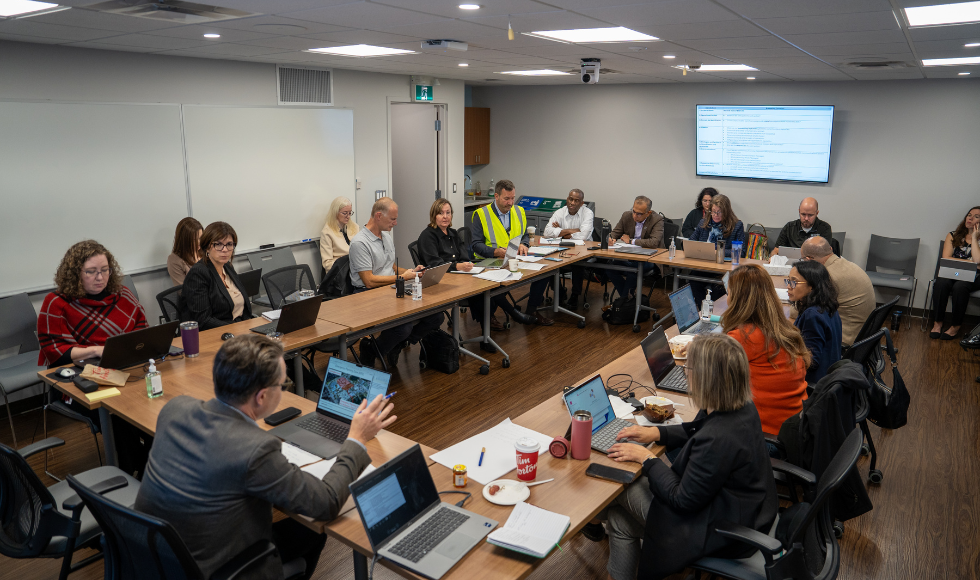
x: 99, y: 395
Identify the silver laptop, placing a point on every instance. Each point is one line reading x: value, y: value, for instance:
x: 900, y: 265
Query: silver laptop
x: 666, y: 374
x: 793, y: 254
x: 686, y: 313
x: 637, y: 250
x: 964, y: 270
x: 591, y: 396
x: 434, y: 274
x: 406, y: 521
x: 512, y: 249
x: 345, y: 386
x: 699, y: 250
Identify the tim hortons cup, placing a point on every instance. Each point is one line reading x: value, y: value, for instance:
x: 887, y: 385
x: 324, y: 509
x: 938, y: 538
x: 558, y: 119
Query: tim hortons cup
x: 527, y: 458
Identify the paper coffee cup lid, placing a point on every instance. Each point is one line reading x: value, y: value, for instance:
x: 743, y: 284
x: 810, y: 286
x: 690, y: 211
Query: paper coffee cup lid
x: 527, y: 445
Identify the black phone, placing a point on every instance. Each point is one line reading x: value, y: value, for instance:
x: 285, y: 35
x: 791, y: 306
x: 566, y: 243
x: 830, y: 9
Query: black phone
x: 594, y: 248
x: 611, y: 473
x: 280, y: 417
x: 84, y: 385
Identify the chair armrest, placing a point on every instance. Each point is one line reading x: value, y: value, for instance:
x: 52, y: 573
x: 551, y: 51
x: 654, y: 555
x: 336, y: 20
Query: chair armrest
x: 798, y: 472
x: 41, y: 445
x: 768, y: 545
x: 245, y: 560
x: 101, y: 488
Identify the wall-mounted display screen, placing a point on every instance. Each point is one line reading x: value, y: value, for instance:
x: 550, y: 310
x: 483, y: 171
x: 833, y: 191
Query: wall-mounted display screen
x: 784, y: 143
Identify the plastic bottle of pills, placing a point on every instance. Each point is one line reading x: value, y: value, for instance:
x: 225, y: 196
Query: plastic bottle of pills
x: 459, y: 476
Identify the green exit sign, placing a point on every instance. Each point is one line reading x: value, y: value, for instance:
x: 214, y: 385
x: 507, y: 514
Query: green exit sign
x: 423, y: 92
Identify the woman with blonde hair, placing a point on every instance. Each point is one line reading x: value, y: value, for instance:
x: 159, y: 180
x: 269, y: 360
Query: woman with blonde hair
x: 778, y: 356
x: 721, y: 472
x: 337, y: 232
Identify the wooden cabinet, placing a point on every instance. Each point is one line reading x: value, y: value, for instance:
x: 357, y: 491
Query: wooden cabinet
x: 476, y: 136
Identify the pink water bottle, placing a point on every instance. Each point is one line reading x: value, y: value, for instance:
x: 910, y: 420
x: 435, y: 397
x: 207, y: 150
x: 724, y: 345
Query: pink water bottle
x: 581, y: 435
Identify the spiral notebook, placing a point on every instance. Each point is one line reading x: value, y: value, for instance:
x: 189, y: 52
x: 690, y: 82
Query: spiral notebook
x: 531, y: 530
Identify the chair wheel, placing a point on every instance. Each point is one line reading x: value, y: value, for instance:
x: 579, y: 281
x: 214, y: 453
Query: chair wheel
x: 636, y: 328
x: 506, y: 363
x: 462, y: 309
x: 422, y: 365
x: 518, y: 308
x: 875, y: 476
x: 586, y: 306
x: 605, y: 295
x: 485, y: 370
x: 656, y: 317
x: 838, y: 530
x: 507, y: 325
x: 581, y: 324
x: 549, y: 302
x: 865, y: 450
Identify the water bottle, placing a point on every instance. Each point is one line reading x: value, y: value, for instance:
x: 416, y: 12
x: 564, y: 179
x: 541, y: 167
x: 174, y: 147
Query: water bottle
x: 706, y: 307
x: 672, y: 251
x: 417, y: 288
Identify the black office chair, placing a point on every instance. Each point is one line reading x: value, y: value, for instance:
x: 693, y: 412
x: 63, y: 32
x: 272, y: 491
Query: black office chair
x: 801, y: 544
x: 33, y: 520
x: 864, y: 353
x: 137, y: 545
x: 337, y: 283
x: 413, y: 250
x: 283, y: 282
x: 168, y: 300
x: 875, y: 320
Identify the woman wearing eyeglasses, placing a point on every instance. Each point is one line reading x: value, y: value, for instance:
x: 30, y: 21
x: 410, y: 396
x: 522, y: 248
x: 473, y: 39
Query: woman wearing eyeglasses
x: 720, y: 225
x: 89, y: 305
x: 813, y: 293
x: 213, y: 295
x: 337, y: 232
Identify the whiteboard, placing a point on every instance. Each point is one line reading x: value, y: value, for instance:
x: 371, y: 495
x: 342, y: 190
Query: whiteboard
x: 69, y: 172
x: 269, y: 172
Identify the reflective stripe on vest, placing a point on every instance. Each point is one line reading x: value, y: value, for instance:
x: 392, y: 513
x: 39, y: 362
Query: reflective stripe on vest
x: 493, y: 228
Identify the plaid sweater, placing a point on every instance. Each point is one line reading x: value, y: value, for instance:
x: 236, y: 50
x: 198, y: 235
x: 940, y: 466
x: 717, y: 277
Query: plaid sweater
x: 64, y: 324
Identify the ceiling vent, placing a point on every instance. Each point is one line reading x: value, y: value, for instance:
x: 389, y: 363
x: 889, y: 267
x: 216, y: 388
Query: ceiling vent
x: 305, y: 86
x: 877, y: 65
x: 170, y: 10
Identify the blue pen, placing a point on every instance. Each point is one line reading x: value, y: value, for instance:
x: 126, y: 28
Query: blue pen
x: 480, y: 464
x: 390, y: 395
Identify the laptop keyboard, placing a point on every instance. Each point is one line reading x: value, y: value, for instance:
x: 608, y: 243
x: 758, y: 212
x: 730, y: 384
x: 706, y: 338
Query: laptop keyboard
x: 330, y: 429
x: 674, y: 381
x: 606, y: 437
x: 422, y: 539
x: 700, y: 328
x: 265, y: 328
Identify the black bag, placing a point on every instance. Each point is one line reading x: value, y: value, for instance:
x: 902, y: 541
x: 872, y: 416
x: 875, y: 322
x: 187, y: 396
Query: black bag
x: 972, y: 340
x: 440, y: 351
x: 622, y: 310
x: 889, y: 406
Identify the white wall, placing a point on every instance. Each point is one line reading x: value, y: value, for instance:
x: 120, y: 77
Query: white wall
x: 904, y: 159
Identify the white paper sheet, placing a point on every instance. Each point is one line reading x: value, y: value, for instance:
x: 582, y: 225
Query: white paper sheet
x: 624, y: 245
x: 272, y: 314
x: 532, y: 267
x: 622, y: 409
x: 531, y: 529
x: 297, y: 456
x: 549, y: 241
x: 499, y: 275
x: 529, y: 258
x: 318, y: 470
x: 541, y: 250
x: 474, y: 270
x: 500, y: 457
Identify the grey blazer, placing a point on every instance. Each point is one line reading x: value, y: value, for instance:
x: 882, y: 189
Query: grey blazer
x: 215, y: 477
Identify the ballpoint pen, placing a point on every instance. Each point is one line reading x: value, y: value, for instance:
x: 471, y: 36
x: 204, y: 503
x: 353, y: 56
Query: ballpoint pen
x: 480, y: 464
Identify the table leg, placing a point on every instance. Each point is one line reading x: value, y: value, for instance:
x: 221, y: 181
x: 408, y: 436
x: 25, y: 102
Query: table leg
x: 639, y: 294
x: 360, y: 566
x: 556, y: 308
x: 343, y: 346
x: 298, y: 373
x: 108, y: 439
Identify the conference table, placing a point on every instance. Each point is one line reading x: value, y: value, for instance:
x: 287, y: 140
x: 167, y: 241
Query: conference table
x: 683, y: 263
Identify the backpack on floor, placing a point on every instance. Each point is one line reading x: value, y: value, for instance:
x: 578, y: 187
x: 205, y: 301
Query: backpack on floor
x: 440, y: 352
x: 622, y: 310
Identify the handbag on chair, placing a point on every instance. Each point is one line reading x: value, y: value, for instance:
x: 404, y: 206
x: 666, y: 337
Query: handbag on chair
x: 756, y: 243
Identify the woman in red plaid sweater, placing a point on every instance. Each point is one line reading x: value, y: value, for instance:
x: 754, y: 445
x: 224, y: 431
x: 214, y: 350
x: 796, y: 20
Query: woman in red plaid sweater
x: 89, y: 305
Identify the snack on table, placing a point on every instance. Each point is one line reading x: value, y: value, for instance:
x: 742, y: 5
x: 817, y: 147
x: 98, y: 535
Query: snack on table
x: 679, y: 345
x: 494, y: 489
x: 658, y: 413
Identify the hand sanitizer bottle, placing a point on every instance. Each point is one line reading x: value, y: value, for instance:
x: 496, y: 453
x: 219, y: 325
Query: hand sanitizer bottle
x: 672, y: 251
x: 154, y: 381
x: 417, y: 287
x: 706, y: 307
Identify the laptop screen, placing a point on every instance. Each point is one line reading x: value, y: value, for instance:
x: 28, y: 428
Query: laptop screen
x: 657, y: 352
x: 591, y: 397
x: 685, y: 310
x: 347, y: 384
x: 393, y: 494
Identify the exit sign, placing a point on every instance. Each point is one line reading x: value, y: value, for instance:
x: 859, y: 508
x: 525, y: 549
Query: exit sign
x: 423, y: 92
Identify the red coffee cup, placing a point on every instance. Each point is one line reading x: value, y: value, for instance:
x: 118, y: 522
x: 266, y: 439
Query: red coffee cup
x: 527, y: 458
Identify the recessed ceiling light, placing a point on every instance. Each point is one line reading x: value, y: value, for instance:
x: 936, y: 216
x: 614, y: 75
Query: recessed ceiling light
x: 943, y: 14
x: 212, y: 35
x: 669, y: 56
x: 963, y: 74
x: 972, y: 45
x: 361, y: 50
x: 720, y: 67
x: 533, y: 73
x: 16, y: 7
x: 463, y: 64
x: 469, y: 6
x: 589, y: 35
x: 750, y: 78
x: 950, y: 61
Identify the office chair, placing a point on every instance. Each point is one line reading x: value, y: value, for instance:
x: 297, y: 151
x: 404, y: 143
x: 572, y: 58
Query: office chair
x: 18, y: 324
x: 127, y: 281
x: 34, y: 522
x: 413, y: 250
x: 875, y: 321
x: 895, y: 254
x: 801, y: 544
x: 927, y: 307
x: 864, y: 352
x: 281, y: 283
x: 137, y: 545
x: 336, y: 284
x: 839, y: 236
x: 269, y: 260
x: 168, y: 300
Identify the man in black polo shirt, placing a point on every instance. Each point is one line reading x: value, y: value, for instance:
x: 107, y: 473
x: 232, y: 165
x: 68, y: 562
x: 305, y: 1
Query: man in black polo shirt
x: 796, y: 232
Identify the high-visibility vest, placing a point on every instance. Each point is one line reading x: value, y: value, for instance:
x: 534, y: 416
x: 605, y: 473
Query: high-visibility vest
x: 494, y: 234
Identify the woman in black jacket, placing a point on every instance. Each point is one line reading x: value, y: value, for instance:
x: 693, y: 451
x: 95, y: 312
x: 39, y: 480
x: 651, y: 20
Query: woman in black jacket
x: 721, y: 472
x: 702, y: 210
x: 213, y: 295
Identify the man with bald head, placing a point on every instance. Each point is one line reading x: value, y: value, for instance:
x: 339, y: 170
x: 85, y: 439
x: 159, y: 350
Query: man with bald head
x: 796, y: 232
x: 855, y: 293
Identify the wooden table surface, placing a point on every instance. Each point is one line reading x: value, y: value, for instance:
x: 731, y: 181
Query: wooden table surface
x: 680, y: 261
x: 378, y: 306
x: 568, y: 256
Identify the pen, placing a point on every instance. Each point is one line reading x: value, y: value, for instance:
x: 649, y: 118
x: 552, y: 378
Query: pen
x: 307, y: 240
x: 390, y: 395
x: 480, y: 464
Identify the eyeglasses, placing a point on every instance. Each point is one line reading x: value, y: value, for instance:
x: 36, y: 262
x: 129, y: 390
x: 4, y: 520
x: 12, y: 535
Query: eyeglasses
x: 717, y: 212
x: 640, y: 212
x: 220, y: 246
x: 104, y: 272
x: 792, y: 283
x: 347, y: 213
x: 287, y: 384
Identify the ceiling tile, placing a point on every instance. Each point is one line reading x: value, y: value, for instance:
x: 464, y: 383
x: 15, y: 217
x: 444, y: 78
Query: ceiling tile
x: 949, y: 48
x: 551, y: 20
x: 153, y: 42
x: 665, y: 12
x: 29, y: 39
x: 859, y: 22
x: 279, y: 25
x: 365, y: 15
x: 967, y: 32
x: 286, y: 43
x: 197, y: 32
x: 789, y: 8
x: 229, y: 49
x: 745, y: 53
x: 713, y: 44
x: 277, y: 6
x: 450, y: 9
x: 839, y: 38
x: 31, y: 27
x: 866, y: 49
x: 102, y: 21
x: 726, y: 29
x: 454, y: 29
x: 364, y: 37
x: 887, y: 75
x: 117, y: 47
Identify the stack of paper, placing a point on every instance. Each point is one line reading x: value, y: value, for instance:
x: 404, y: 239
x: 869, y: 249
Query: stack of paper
x: 526, y: 266
x: 473, y: 270
x: 499, y: 275
x: 297, y: 456
x: 531, y: 530
x: 500, y: 457
x: 272, y: 315
x: 528, y: 258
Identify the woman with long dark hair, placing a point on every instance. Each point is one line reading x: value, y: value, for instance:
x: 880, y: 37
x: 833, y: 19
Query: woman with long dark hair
x: 187, y: 242
x: 701, y: 211
x: 815, y: 297
x: 960, y: 244
x: 720, y: 225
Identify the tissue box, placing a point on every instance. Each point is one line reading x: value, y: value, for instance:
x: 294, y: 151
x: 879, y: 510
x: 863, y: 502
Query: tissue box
x: 778, y: 270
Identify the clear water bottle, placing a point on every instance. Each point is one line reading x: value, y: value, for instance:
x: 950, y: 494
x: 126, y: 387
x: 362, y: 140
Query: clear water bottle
x: 417, y: 287
x: 672, y: 251
x: 706, y: 307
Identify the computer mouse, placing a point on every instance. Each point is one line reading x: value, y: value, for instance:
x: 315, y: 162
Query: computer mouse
x: 227, y: 335
x: 66, y: 373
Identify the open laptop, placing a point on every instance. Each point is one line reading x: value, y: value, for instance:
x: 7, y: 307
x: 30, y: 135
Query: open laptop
x: 964, y: 270
x: 666, y: 374
x: 591, y: 396
x: 701, y: 251
x: 512, y: 248
x: 686, y: 313
x: 135, y: 348
x: 406, y: 521
x: 250, y: 281
x: 434, y: 274
x: 294, y: 316
x: 637, y: 250
x: 791, y: 253
x: 345, y: 386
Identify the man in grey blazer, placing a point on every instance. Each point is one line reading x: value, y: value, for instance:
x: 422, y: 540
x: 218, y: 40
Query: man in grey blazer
x: 215, y: 475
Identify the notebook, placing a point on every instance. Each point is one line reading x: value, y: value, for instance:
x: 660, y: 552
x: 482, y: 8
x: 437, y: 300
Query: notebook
x: 531, y: 530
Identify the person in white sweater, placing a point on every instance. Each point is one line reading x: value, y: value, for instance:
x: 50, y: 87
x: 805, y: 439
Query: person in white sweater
x: 337, y: 232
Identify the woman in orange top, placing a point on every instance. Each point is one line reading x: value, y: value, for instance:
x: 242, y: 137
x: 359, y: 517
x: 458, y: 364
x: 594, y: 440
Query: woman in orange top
x: 778, y: 357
